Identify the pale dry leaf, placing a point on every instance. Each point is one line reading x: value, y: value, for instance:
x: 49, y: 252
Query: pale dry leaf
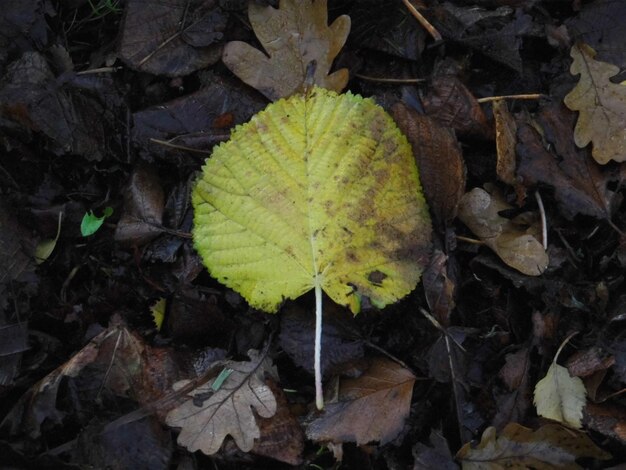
x: 549, y: 447
x: 601, y: 105
x: 560, y: 397
x: 516, y: 244
x: 209, y: 415
x: 295, y: 36
x: 372, y: 407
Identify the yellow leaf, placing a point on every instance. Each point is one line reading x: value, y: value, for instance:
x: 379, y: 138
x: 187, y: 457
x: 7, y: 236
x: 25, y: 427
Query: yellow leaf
x: 298, y: 41
x: 559, y: 396
x: 319, y: 191
x: 45, y: 248
x: 316, y: 190
x: 157, y: 310
x: 601, y: 105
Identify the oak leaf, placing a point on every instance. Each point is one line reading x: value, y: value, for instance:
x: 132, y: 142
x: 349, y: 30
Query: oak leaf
x: 298, y: 41
x: 372, y: 407
x: 601, y: 105
x: 223, y: 406
x: 551, y: 446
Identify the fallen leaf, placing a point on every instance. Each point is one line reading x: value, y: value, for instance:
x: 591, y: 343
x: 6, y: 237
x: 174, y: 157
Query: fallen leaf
x: 22, y: 27
x: 91, y: 223
x: 559, y: 396
x: 297, y: 327
x: 607, y: 419
x: 439, y: 288
x: 372, y: 407
x: 143, y: 208
x: 157, y: 311
x: 208, y: 416
x: 515, y: 370
x: 506, y: 130
x: 581, y: 186
x: 186, y: 125
x: 45, y: 247
x: 515, y: 243
x: 173, y: 38
x: 16, y: 250
x: 293, y: 36
x: 551, y: 446
x: 438, y: 456
x: 599, y: 24
x: 76, y: 114
x: 450, y: 103
x: 513, y: 405
x: 588, y: 361
x: 13, y: 343
x: 601, y: 105
x: 439, y: 158
x: 282, y: 437
x: 329, y: 199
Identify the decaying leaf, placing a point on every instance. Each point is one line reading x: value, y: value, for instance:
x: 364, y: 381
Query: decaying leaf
x: 601, y: 105
x: 372, y: 407
x: 581, y: 186
x: 514, y: 241
x: 209, y: 415
x: 282, y: 437
x: 439, y: 158
x: 320, y: 192
x: 506, y: 130
x: 439, y: 288
x: 559, y: 396
x: 171, y: 38
x: 143, y: 208
x: 45, y: 247
x: 296, y: 36
x: 450, y: 103
x: 551, y: 446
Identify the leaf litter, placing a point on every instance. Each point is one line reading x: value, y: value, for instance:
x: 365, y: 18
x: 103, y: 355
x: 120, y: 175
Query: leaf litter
x: 75, y: 125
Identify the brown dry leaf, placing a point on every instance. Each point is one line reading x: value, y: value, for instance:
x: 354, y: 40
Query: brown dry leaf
x: 439, y: 288
x: 515, y: 243
x: 601, y: 105
x: 450, y: 103
x: 607, y: 419
x: 580, y: 184
x: 515, y: 370
x: 282, y: 437
x: 172, y: 38
x: 143, y: 208
x: 439, y: 158
x: 372, y: 407
x: 214, y: 411
x: 506, y: 139
x: 551, y: 446
x: 294, y: 36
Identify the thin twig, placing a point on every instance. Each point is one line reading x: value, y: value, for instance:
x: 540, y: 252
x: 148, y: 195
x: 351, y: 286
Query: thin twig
x: 461, y: 238
x: 400, y: 81
x: 528, y: 96
x: 544, y: 223
x: 165, y: 143
x: 423, y: 21
x: 99, y: 70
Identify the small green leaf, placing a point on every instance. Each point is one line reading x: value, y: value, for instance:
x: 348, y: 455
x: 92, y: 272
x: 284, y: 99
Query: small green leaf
x: 46, y: 247
x: 92, y: 223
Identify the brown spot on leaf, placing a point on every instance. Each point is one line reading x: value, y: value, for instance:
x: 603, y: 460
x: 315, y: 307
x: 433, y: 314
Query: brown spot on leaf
x: 376, y: 277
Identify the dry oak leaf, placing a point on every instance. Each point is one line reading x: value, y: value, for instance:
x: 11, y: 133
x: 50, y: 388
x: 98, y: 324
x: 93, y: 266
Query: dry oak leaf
x: 216, y: 410
x: 549, y: 447
x: 514, y: 243
x: 294, y: 36
x: 371, y: 407
x: 601, y: 105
